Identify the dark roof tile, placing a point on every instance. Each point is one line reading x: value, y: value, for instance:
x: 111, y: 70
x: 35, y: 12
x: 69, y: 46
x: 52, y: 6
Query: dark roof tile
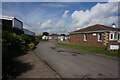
x: 97, y: 27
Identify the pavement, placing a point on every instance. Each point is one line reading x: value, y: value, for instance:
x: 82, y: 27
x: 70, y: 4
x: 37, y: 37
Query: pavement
x: 71, y: 64
x: 30, y: 66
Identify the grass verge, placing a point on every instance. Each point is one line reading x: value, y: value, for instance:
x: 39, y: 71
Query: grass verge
x: 92, y: 49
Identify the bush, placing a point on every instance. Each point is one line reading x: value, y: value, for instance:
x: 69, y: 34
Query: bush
x: 31, y: 45
x: 14, y: 45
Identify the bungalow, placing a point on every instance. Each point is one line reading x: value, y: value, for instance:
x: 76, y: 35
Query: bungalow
x: 57, y: 37
x: 45, y: 38
x: 97, y: 35
x: 53, y: 37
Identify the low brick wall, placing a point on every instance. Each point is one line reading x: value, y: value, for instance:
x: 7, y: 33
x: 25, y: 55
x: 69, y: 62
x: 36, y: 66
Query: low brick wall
x: 112, y: 43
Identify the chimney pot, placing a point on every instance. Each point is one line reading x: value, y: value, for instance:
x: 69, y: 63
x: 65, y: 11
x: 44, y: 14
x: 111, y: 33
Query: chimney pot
x: 113, y: 25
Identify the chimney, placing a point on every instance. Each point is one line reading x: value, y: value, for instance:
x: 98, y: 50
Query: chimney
x: 113, y: 25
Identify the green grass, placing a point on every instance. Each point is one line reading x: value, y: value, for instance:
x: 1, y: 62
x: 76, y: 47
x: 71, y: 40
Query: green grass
x: 93, y: 49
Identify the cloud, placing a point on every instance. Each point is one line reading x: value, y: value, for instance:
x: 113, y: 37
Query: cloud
x: 113, y: 0
x: 54, y: 5
x: 41, y: 19
x: 47, y: 24
x: 59, y: 26
x: 105, y: 14
x: 65, y: 14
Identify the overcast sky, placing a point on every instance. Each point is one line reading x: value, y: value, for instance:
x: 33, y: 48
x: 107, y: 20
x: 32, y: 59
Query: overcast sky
x: 61, y: 17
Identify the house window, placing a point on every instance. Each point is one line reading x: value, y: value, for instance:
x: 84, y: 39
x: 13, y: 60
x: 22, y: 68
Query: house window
x: 119, y: 36
x: 85, y: 37
x: 94, y: 34
x: 116, y: 36
x: 111, y: 36
x: 100, y: 37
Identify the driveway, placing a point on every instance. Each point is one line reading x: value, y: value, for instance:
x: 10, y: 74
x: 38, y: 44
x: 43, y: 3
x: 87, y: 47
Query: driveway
x: 71, y: 64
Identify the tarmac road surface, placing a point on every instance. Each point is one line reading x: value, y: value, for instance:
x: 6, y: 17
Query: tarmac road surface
x: 71, y: 64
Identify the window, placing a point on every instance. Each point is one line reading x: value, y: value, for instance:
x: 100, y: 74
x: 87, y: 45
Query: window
x: 119, y: 36
x: 85, y: 37
x: 94, y: 34
x: 100, y: 37
x: 111, y: 36
x: 116, y: 36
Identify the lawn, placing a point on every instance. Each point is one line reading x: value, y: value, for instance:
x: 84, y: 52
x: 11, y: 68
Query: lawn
x: 92, y: 49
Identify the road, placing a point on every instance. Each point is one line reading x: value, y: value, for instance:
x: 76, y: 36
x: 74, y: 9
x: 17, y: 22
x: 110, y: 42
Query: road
x: 71, y: 64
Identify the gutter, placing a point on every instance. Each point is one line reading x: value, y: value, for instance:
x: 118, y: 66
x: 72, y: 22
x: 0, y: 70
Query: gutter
x: 91, y: 31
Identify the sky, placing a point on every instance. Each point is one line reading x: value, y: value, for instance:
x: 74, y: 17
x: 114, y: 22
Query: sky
x: 60, y: 0
x: 61, y: 17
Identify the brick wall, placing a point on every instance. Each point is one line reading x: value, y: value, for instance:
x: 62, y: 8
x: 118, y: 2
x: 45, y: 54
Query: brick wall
x: 91, y: 40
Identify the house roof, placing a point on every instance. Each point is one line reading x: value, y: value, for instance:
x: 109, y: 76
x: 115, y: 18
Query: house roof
x: 96, y: 28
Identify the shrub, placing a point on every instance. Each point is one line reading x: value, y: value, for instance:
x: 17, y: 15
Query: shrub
x: 31, y: 45
x: 14, y: 45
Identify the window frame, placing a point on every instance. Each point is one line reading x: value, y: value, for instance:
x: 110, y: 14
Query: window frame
x: 118, y: 36
x: 99, y: 37
x: 113, y: 36
x: 85, y: 37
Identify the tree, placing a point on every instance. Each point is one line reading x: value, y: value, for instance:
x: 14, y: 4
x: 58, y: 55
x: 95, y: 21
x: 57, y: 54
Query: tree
x: 45, y: 33
x: 62, y: 34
